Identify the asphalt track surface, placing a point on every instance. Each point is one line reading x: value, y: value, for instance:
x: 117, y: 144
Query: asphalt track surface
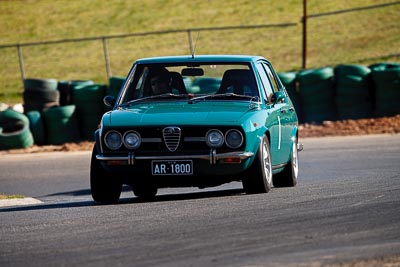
x: 345, y: 208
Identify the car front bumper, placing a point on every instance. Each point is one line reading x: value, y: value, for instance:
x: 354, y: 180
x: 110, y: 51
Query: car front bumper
x: 213, y: 157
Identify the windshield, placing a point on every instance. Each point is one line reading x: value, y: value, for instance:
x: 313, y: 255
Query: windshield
x: 157, y: 82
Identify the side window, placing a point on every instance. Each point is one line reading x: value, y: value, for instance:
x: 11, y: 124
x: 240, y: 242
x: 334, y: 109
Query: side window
x: 265, y: 82
x: 271, y: 78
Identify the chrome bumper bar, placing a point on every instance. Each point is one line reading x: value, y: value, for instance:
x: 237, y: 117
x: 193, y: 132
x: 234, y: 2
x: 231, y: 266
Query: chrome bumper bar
x: 213, y: 157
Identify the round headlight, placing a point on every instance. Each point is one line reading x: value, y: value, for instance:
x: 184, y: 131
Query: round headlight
x: 214, y: 138
x: 233, y: 138
x: 113, y: 140
x: 132, y: 140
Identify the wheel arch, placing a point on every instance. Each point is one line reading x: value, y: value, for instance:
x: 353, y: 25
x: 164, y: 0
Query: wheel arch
x: 97, y: 141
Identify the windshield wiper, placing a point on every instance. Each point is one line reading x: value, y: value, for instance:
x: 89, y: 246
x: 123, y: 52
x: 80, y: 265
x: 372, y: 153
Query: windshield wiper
x: 162, y: 96
x: 222, y: 96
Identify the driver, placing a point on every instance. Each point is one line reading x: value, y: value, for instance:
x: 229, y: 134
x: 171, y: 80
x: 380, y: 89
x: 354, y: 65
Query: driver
x: 160, y: 84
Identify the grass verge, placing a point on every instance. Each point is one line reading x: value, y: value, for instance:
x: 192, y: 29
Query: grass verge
x: 3, y: 196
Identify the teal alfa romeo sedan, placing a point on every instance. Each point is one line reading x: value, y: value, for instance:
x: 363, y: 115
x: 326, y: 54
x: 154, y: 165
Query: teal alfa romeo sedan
x: 196, y: 121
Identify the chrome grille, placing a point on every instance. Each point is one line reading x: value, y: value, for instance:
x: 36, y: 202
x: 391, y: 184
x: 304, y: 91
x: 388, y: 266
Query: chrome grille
x: 172, y: 137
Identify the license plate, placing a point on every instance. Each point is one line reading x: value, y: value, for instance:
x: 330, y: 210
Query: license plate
x: 171, y: 167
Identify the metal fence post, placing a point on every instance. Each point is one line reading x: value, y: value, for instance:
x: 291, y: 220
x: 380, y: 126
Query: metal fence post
x: 106, y: 57
x: 304, y: 21
x: 21, y: 63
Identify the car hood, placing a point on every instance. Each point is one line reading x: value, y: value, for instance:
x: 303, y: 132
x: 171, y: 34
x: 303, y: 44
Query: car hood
x: 179, y: 113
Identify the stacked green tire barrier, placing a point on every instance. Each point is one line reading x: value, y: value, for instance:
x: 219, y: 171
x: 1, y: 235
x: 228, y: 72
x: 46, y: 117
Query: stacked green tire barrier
x: 66, y: 88
x: 353, y: 92
x: 61, y: 124
x: 290, y: 82
x: 14, y: 130
x: 205, y: 85
x: 89, y: 103
x: 39, y: 94
x: 317, y: 94
x: 115, y: 84
x: 386, y: 79
x: 36, y: 126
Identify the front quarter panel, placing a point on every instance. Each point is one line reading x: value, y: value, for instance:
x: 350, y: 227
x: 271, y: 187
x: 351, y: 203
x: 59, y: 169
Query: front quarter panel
x: 255, y: 128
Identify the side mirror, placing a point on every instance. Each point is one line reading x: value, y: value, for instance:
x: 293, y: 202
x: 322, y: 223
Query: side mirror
x: 109, y: 101
x: 278, y: 97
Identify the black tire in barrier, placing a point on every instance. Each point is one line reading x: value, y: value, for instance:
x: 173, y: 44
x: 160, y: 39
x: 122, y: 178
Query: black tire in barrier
x: 39, y: 107
x: 40, y: 97
x: 40, y: 84
x: 39, y: 94
x: 66, y: 90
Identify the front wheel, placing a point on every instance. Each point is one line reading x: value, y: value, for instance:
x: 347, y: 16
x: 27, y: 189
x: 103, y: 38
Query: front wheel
x: 258, y: 178
x: 105, y: 189
x: 288, y: 177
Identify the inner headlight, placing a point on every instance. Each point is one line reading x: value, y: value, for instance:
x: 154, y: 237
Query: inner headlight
x: 113, y: 140
x: 132, y: 140
x: 233, y: 138
x: 214, y: 138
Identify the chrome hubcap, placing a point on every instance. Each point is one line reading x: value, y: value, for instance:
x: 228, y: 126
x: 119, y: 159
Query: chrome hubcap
x: 267, y: 163
x: 295, y: 159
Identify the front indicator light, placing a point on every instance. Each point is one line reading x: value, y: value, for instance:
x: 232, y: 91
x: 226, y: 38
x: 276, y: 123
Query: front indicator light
x: 231, y: 160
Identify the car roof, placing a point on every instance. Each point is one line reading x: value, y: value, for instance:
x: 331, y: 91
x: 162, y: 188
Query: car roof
x: 201, y: 59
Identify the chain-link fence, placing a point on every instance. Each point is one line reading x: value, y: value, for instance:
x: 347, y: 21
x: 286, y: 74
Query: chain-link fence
x: 98, y: 58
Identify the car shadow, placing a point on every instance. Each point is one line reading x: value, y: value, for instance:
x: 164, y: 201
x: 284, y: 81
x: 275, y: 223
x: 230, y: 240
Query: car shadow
x: 122, y: 201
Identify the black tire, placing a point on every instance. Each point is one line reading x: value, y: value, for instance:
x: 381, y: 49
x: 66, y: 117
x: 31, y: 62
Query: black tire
x: 258, y: 178
x: 145, y: 191
x: 39, y: 100
x: 40, y: 84
x: 104, y: 187
x: 288, y: 177
x: 40, y: 96
x: 66, y: 87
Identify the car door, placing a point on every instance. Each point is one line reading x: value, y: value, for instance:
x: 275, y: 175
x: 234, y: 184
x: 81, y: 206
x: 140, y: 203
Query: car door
x: 273, y: 120
x: 287, y: 115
